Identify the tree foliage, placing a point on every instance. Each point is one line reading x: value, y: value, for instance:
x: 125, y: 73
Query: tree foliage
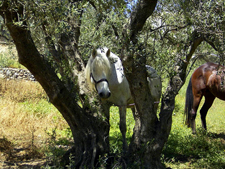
x: 175, y: 24
x: 54, y: 40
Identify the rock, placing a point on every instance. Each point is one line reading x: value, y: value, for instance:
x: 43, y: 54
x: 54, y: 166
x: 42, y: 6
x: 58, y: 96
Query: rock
x: 13, y: 73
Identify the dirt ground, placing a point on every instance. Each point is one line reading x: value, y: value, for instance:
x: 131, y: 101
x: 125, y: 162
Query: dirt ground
x: 21, y: 157
x: 23, y: 134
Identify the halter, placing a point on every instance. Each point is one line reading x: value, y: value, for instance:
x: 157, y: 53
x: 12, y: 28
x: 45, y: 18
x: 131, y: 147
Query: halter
x: 99, y: 81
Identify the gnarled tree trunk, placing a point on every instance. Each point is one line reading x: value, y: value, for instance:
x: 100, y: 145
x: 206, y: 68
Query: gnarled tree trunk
x: 89, y: 132
x: 150, y: 132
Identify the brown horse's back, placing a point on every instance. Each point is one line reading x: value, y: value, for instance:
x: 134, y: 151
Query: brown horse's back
x: 208, y: 80
x: 215, y: 81
x: 209, y: 77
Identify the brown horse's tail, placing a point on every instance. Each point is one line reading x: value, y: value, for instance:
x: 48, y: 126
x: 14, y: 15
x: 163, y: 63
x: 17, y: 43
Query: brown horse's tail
x: 188, y: 103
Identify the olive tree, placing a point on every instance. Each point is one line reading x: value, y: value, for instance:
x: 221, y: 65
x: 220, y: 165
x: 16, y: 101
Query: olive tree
x: 54, y: 39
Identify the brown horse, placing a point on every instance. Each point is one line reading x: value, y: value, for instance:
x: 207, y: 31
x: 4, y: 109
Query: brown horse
x: 208, y: 80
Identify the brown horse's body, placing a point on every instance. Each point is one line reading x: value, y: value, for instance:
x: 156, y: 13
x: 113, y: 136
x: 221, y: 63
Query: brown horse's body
x: 208, y: 81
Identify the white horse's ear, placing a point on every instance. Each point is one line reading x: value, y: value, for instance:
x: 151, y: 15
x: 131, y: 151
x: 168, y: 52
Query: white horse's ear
x: 108, y: 53
x: 94, y: 53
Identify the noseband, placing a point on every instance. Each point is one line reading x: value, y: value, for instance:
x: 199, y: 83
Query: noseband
x: 99, y: 81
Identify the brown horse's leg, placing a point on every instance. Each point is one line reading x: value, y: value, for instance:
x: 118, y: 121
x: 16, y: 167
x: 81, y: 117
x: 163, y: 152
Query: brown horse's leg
x: 123, y: 127
x: 209, y: 98
x: 197, y: 100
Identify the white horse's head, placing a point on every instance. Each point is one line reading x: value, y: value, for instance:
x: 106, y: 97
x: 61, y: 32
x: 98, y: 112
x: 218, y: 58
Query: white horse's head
x: 98, y: 72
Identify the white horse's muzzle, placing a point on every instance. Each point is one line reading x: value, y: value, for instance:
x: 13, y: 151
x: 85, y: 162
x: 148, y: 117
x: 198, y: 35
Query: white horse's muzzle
x: 104, y: 94
x: 102, y: 87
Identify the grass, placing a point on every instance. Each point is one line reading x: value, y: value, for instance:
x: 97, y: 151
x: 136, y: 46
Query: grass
x: 115, y: 134
x: 184, y: 150
x: 31, y: 127
x: 204, y: 150
x: 28, y: 121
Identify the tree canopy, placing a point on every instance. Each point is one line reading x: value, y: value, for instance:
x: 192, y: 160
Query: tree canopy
x: 55, y: 38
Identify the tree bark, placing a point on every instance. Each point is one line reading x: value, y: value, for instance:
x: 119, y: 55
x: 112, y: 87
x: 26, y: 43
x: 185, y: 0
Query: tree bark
x: 150, y: 132
x: 89, y: 132
x: 144, y: 148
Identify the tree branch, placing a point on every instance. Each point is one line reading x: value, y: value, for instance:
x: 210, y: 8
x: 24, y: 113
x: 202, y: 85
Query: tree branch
x: 175, y: 27
x: 211, y: 44
x: 197, y: 40
x: 51, y: 45
x: 92, y: 4
x: 138, y: 18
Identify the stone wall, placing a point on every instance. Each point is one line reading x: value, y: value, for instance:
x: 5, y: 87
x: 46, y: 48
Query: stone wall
x: 14, y: 73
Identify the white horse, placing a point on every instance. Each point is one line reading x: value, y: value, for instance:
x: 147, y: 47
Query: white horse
x: 104, y: 74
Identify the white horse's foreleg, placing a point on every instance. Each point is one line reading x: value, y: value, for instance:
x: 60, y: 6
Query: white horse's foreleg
x: 123, y: 127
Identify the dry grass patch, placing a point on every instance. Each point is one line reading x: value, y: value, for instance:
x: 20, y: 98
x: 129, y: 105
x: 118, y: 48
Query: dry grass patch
x: 26, y: 117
